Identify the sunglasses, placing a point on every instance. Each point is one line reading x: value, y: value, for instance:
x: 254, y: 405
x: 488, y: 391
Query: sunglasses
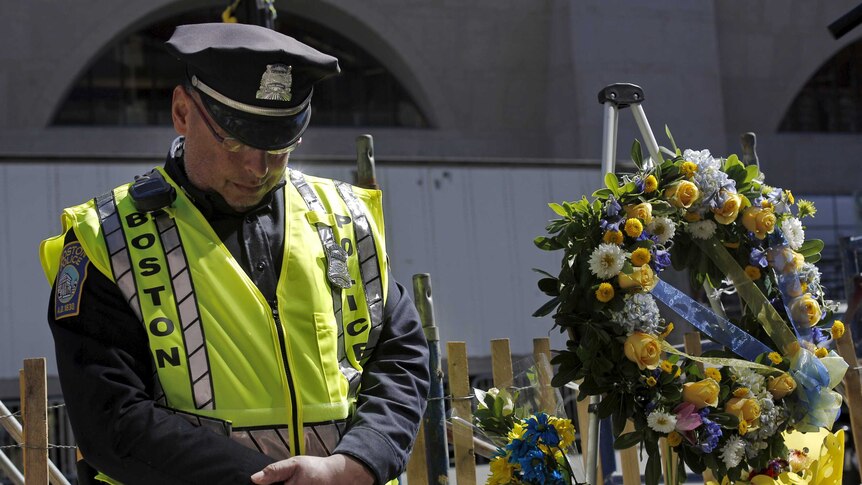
x: 232, y: 144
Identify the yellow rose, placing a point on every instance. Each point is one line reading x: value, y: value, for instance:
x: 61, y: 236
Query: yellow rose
x: 805, y: 310
x: 605, y: 292
x: 682, y: 194
x: 641, y: 278
x: 642, y: 211
x: 730, y: 209
x: 701, y: 393
x: 643, y: 349
x: 780, y: 386
x: 743, y: 408
x: 759, y: 221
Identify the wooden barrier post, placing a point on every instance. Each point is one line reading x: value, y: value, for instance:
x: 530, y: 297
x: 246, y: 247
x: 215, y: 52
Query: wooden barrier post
x: 417, y: 466
x: 852, y: 387
x: 629, y: 461
x: 542, y: 357
x: 462, y: 435
x: 35, y: 409
x: 501, y: 364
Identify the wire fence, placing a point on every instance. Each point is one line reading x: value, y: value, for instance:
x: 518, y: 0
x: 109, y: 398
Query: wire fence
x: 61, y: 442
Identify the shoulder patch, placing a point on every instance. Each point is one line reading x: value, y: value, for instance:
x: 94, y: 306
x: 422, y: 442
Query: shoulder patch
x: 70, y: 280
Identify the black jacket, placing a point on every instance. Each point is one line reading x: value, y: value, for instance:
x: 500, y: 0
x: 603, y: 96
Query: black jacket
x: 107, y: 373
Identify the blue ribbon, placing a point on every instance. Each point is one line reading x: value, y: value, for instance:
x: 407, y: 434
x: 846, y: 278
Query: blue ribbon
x: 719, y: 329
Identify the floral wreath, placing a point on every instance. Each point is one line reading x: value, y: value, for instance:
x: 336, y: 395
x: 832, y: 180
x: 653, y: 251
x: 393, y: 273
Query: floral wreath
x: 729, y: 409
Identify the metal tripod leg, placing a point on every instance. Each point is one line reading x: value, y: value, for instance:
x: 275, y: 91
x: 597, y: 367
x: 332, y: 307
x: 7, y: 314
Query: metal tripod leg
x: 614, y: 98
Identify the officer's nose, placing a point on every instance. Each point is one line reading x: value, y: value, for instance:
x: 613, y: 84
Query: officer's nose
x: 255, y: 162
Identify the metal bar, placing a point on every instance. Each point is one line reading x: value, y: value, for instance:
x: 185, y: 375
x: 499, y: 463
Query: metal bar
x: 15, y: 430
x: 609, y: 139
x: 366, y: 175
x: 436, y: 443
x: 9, y: 468
x: 593, y: 445
x: 646, y: 133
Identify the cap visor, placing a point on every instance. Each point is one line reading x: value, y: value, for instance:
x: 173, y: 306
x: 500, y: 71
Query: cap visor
x: 257, y: 131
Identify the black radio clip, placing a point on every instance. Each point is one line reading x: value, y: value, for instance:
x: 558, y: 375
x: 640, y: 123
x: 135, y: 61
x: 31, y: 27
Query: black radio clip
x: 151, y: 192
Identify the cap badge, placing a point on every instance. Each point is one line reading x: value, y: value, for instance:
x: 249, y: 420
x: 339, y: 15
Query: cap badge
x: 275, y: 83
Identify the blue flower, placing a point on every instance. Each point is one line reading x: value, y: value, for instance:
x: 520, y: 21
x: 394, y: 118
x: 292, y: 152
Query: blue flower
x: 539, y: 430
x: 613, y: 208
x: 818, y: 336
x: 533, y: 467
x: 660, y: 259
x: 519, y: 448
x: 757, y: 257
x: 711, y: 435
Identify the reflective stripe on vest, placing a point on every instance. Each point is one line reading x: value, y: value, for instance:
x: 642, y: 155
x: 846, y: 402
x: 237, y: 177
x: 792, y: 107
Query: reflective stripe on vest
x: 115, y: 241
x: 187, y: 308
x: 352, y: 375
x: 369, y: 267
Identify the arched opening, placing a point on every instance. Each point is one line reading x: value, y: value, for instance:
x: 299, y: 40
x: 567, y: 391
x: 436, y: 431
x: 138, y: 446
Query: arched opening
x: 131, y: 83
x: 831, y: 101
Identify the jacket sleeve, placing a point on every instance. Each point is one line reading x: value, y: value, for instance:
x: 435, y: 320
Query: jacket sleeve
x: 394, y: 392
x: 107, y: 377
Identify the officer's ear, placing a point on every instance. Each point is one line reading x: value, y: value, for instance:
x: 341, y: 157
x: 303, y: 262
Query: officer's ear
x: 180, y: 107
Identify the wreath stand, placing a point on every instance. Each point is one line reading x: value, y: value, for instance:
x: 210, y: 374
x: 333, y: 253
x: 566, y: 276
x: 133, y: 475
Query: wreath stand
x: 614, y: 98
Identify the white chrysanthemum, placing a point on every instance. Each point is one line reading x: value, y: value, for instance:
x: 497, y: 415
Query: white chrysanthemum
x: 607, y: 260
x: 793, y: 232
x: 755, y: 382
x: 661, y: 421
x: 709, y: 178
x: 662, y: 228
x: 733, y: 451
x: 702, y: 229
x: 640, y: 312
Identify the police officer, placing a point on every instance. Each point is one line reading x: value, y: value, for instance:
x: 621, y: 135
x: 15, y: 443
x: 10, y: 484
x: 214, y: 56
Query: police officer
x: 225, y: 319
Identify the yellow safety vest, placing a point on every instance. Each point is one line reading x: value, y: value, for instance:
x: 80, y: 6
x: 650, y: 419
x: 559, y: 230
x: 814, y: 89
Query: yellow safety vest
x: 264, y: 372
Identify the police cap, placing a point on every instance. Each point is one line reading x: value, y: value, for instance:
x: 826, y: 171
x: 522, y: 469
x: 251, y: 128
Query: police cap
x: 256, y: 83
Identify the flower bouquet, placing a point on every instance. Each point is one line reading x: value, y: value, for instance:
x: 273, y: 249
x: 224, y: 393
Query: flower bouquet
x: 527, y: 445
x: 727, y: 410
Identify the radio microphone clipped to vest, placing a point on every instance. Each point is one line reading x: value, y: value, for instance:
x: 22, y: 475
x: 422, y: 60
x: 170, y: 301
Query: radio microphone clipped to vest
x: 151, y: 192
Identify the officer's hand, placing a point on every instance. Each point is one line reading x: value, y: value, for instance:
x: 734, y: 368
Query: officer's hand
x: 336, y: 469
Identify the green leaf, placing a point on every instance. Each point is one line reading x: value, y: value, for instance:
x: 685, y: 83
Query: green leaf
x: 751, y: 172
x: 547, y: 243
x: 811, y: 247
x: 558, y: 209
x: 670, y: 137
x: 547, y: 307
x: 725, y: 420
x: 613, y: 183
x: 549, y: 275
x: 602, y: 193
x: 628, y: 440
x: 550, y: 286
x: 652, y: 474
x: 637, y: 155
x: 813, y: 258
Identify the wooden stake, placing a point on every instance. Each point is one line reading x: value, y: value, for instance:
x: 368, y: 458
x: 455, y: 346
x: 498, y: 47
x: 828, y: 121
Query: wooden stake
x: 542, y: 357
x: 417, y: 467
x: 852, y: 387
x: 462, y: 433
x: 693, y: 347
x: 35, y: 422
x: 630, y: 465
x: 501, y: 363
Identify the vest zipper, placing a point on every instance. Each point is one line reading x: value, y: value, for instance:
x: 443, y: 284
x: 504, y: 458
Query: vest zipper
x: 283, y: 345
